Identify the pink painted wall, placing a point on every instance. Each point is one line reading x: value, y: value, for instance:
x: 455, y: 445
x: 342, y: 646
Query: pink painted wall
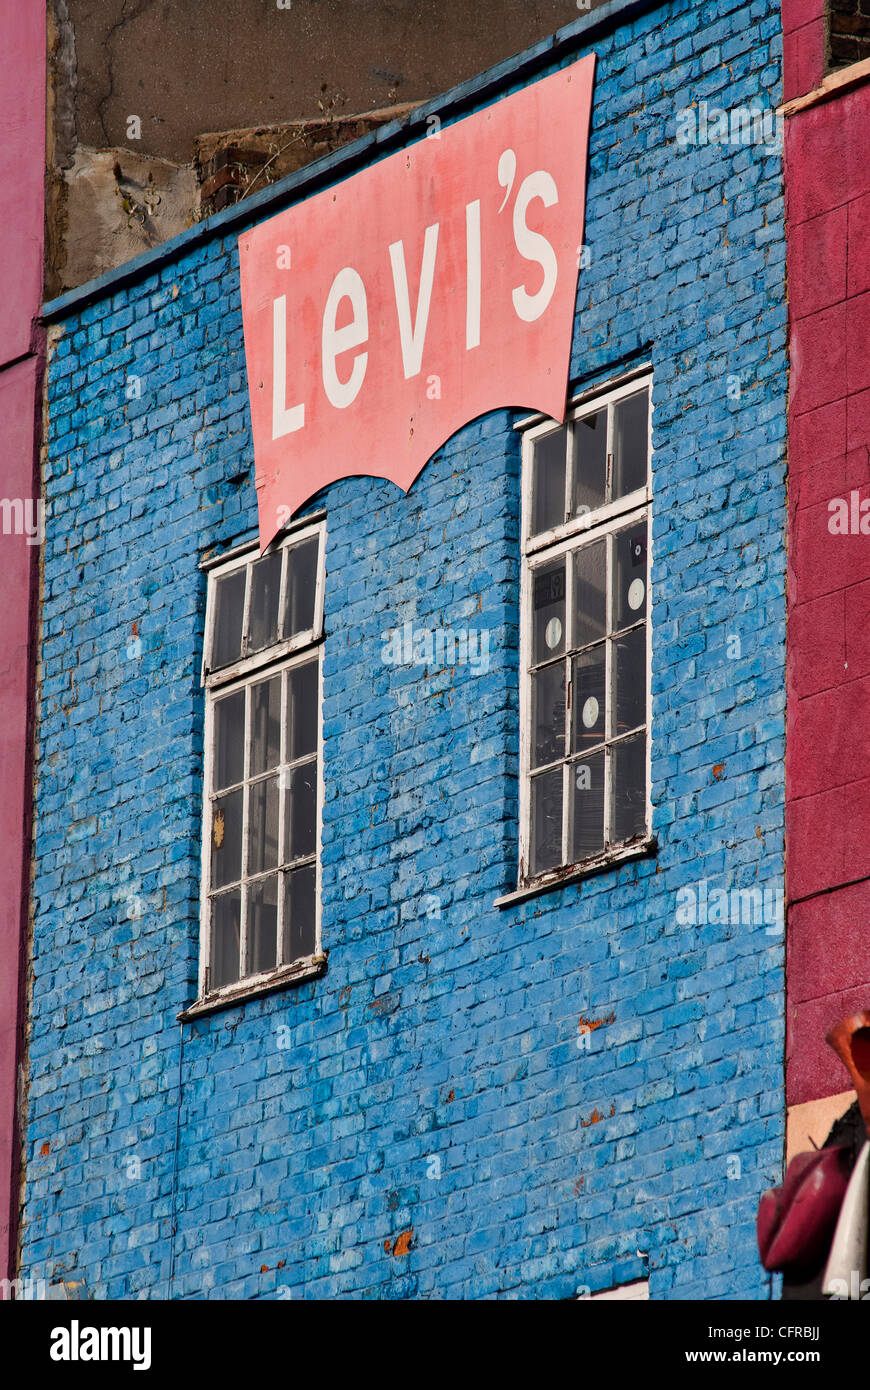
x: 803, y: 46
x: 828, y: 659
x: 22, y: 172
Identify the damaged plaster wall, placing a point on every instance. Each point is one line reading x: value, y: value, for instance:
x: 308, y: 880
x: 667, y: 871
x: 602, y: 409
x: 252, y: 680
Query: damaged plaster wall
x: 133, y: 84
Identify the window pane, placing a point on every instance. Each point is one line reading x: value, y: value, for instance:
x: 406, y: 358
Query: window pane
x: 263, y: 925
x: 629, y: 783
x: 229, y: 741
x: 229, y: 612
x: 302, y: 710
x: 587, y: 807
x: 589, y: 697
x: 265, y: 593
x: 548, y: 480
x: 299, y: 913
x: 590, y: 462
x: 630, y: 443
x: 301, y: 586
x: 265, y: 726
x: 630, y: 597
x: 548, y: 714
x: 263, y: 825
x: 548, y: 603
x: 546, y: 849
x: 629, y: 655
x: 590, y: 608
x: 226, y: 916
x: 300, y: 811
x: 226, y: 839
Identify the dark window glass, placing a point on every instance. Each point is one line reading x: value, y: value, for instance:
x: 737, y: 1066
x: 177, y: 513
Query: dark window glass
x: 265, y: 596
x: 587, y: 806
x: 229, y: 614
x: 548, y: 717
x: 629, y: 800
x: 301, y: 586
x: 546, y: 821
x: 630, y: 443
x: 265, y: 725
x: 229, y: 741
x: 548, y: 605
x: 263, y: 925
x: 629, y: 576
x: 302, y: 710
x: 263, y: 825
x: 590, y: 592
x: 226, y: 918
x: 588, y: 696
x: 549, y: 462
x: 629, y: 654
x: 590, y: 463
x: 299, y: 912
x: 300, y: 811
x: 226, y: 839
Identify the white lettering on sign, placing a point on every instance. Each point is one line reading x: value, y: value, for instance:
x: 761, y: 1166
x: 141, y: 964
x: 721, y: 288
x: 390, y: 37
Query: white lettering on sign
x: 435, y: 285
x: 346, y: 285
x: 533, y: 246
x: 284, y: 421
x: 413, y: 338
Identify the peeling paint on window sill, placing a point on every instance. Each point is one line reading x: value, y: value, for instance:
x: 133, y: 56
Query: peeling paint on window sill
x: 308, y: 969
x: 623, y: 854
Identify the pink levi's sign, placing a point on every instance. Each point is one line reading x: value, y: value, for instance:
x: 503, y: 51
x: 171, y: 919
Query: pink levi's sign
x: 386, y: 312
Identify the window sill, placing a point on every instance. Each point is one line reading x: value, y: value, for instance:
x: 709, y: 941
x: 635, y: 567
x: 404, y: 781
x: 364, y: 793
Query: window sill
x: 834, y: 84
x: 612, y: 859
x: 310, y: 968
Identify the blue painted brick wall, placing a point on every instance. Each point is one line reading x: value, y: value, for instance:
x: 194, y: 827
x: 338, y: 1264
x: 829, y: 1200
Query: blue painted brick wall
x: 205, y: 1161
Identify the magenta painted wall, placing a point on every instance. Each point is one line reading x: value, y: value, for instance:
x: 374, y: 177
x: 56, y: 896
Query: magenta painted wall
x: 828, y: 662
x: 22, y: 173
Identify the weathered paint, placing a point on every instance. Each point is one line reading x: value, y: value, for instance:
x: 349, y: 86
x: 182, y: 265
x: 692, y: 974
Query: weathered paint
x: 439, y: 1091
x: 387, y: 311
x: 828, y: 789
x: 22, y: 163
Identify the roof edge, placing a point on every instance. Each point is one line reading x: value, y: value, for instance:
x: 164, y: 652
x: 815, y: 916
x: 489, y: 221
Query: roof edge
x: 348, y: 158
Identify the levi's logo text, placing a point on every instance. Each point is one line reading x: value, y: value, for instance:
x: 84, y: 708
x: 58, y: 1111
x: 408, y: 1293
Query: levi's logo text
x: 387, y: 311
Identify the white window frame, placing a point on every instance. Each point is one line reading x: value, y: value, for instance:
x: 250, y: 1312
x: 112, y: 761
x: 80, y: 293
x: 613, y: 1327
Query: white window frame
x: 282, y: 656
x: 542, y: 549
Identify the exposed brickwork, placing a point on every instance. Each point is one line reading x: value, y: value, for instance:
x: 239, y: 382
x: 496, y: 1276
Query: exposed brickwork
x: 434, y: 1128
x: 849, y: 32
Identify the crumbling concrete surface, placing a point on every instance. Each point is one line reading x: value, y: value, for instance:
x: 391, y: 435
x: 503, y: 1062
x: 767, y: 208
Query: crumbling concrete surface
x: 116, y: 206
